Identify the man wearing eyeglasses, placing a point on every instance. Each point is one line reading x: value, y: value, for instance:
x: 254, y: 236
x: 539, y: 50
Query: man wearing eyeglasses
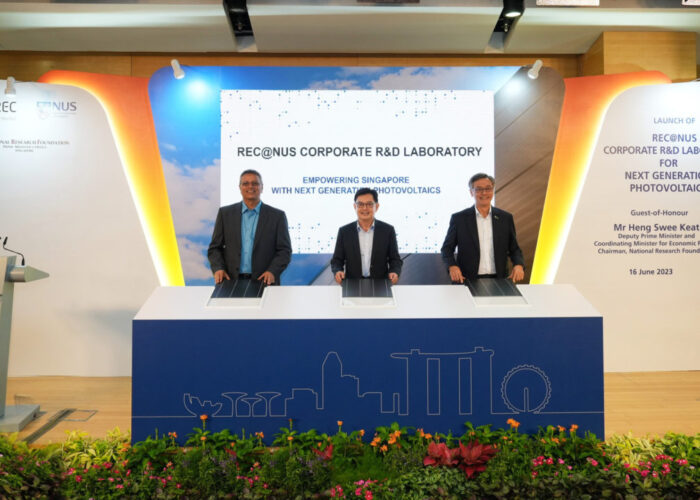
x: 250, y: 239
x: 485, y: 238
x: 366, y: 248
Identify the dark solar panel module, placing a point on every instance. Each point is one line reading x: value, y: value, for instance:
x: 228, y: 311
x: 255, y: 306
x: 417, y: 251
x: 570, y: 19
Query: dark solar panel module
x: 492, y: 287
x: 366, y: 288
x: 238, y: 289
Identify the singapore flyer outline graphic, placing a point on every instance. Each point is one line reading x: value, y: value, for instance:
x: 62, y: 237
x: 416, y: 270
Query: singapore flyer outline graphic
x: 526, y: 392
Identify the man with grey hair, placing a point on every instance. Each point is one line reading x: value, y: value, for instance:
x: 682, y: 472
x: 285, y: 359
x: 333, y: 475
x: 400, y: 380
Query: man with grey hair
x: 485, y: 238
x: 250, y: 239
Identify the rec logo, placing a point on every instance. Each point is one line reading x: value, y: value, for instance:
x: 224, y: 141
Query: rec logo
x: 8, y: 107
x: 56, y: 108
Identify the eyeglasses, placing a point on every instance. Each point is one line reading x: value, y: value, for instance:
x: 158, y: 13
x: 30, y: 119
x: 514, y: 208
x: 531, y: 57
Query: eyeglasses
x: 253, y: 184
x: 360, y: 204
x: 482, y: 190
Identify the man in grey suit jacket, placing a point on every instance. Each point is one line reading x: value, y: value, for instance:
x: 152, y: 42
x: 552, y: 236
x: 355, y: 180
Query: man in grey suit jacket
x: 485, y: 237
x: 250, y: 239
x: 366, y: 248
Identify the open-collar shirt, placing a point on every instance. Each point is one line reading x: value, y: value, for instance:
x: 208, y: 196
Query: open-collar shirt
x: 366, y: 239
x: 249, y: 223
x: 484, y: 226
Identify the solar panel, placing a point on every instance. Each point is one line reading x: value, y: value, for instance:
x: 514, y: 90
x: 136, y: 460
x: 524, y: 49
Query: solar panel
x: 366, y: 288
x: 236, y: 289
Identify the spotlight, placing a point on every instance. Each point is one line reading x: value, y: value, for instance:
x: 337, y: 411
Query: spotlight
x: 534, y: 72
x: 178, y: 73
x: 10, y: 88
x: 513, y: 8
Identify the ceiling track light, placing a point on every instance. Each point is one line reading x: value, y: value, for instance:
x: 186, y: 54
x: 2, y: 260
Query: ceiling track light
x: 508, y: 18
x: 238, y: 18
x: 10, y: 86
x: 534, y: 71
x: 178, y: 72
x: 513, y: 8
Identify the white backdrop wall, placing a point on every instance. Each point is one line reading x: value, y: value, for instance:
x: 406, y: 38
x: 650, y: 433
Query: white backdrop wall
x: 634, y: 246
x: 65, y: 203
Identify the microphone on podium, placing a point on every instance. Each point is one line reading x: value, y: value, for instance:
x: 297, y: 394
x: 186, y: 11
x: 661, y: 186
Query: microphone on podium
x: 4, y: 247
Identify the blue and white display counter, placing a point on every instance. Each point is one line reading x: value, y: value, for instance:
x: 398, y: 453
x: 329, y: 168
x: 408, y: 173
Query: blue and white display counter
x: 435, y: 359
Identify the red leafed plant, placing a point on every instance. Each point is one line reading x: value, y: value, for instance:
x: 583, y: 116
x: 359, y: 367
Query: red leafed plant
x: 471, y: 458
x: 325, y: 454
x: 440, y: 454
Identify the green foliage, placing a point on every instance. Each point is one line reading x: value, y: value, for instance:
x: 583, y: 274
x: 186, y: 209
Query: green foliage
x: 28, y: 472
x: 202, y: 473
x: 660, y: 478
x: 484, y: 434
x: 368, y: 464
x: 553, y: 463
x: 217, y: 440
x: 153, y: 452
x: 362, y: 488
x: 79, y: 450
x: 287, y: 435
x: 561, y: 443
x: 295, y: 472
x: 682, y: 446
x: 432, y: 482
x: 104, y: 480
x: 631, y: 450
x: 400, y: 433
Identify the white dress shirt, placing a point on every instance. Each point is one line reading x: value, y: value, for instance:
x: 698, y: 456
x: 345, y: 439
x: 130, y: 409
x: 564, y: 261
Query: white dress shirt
x: 487, y: 258
x: 366, y: 239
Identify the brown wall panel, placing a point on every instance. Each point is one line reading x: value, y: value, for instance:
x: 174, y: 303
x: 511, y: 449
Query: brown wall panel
x: 566, y: 65
x: 523, y: 105
x: 29, y: 66
x: 672, y: 53
x: 524, y: 198
x: 147, y: 65
x: 592, y: 62
x: 526, y: 123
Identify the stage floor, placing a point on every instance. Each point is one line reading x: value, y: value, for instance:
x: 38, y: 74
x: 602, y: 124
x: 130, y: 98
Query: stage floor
x: 642, y: 403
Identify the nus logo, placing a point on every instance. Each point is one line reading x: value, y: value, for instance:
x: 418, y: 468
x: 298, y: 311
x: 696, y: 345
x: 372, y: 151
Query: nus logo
x: 47, y: 108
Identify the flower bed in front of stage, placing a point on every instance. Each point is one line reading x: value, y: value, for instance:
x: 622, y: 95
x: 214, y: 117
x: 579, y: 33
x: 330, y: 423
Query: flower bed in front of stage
x: 394, y: 462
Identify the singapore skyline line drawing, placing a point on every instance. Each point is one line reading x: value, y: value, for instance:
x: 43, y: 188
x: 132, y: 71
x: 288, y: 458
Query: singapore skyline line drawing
x: 433, y: 384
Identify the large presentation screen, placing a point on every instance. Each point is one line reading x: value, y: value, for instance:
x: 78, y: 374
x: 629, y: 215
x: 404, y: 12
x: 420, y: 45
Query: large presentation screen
x: 316, y: 148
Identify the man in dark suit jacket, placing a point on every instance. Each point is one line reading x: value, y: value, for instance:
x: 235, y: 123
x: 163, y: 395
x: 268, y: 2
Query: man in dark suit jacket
x: 366, y: 248
x: 477, y: 258
x: 250, y: 239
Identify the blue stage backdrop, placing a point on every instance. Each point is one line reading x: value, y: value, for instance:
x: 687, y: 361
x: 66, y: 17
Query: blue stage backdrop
x: 435, y: 374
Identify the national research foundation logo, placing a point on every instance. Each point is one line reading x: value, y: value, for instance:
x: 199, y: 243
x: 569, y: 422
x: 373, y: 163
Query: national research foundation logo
x: 56, y: 109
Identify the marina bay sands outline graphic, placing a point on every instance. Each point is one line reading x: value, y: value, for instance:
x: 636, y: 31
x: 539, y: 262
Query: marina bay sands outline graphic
x: 434, y: 384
